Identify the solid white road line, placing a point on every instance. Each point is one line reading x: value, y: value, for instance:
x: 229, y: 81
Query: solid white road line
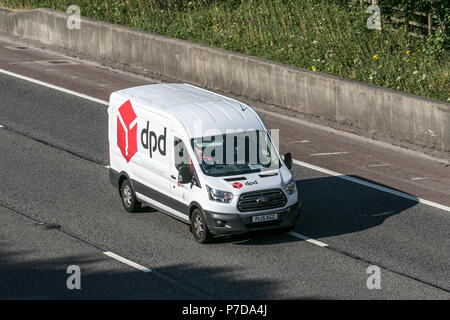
x: 328, y: 153
x: 297, y: 162
x: 48, y: 85
x: 308, y: 239
x: 127, y: 262
x: 1, y: 126
x: 372, y: 185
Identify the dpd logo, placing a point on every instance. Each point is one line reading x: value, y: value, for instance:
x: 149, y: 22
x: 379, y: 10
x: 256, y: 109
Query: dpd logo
x: 237, y: 185
x: 127, y: 131
x: 152, y: 142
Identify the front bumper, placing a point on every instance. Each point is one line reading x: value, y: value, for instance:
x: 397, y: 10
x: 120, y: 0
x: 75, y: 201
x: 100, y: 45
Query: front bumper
x: 242, y: 223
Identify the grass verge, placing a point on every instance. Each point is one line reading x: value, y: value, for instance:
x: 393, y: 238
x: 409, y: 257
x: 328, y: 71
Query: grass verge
x: 319, y: 35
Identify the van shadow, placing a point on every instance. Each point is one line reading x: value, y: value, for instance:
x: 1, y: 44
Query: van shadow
x: 27, y: 276
x: 332, y: 206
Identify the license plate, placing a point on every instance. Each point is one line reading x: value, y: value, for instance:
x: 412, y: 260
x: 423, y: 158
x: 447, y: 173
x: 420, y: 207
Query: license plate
x: 266, y: 217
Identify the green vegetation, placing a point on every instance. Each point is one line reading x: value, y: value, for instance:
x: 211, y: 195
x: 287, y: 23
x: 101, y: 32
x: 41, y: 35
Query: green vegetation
x: 319, y: 35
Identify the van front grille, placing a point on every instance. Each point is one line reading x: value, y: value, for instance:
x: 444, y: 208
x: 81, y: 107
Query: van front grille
x: 261, y: 200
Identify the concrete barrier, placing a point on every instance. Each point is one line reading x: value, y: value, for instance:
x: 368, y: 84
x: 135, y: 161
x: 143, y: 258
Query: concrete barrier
x: 402, y: 116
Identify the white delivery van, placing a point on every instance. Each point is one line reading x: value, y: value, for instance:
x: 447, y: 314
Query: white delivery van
x: 199, y: 157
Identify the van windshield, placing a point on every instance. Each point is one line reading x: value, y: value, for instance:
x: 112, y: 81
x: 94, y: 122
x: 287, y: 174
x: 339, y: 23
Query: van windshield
x: 236, y: 153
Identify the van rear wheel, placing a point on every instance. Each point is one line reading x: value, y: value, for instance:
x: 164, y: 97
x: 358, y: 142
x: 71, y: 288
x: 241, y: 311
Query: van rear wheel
x: 199, y: 227
x: 129, y: 201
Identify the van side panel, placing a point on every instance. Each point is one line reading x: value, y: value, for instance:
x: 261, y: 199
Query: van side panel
x: 150, y: 165
x: 139, y: 147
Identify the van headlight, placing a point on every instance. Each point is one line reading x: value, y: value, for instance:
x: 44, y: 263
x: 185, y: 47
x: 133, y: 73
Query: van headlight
x: 290, y: 187
x: 218, y: 195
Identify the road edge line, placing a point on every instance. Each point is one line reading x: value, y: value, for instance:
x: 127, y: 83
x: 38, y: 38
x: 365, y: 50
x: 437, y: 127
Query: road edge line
x: 372, y: 185
x: 45, y: 84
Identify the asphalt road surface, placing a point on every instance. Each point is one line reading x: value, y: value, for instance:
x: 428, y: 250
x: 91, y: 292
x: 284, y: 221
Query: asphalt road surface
x: 57, y: 208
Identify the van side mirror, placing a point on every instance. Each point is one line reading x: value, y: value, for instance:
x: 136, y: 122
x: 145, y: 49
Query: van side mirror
x: 288, y: 160
x: 184, y: 174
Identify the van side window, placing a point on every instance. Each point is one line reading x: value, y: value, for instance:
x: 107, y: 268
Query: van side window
x: 182, y: 157
x: 180, y: 153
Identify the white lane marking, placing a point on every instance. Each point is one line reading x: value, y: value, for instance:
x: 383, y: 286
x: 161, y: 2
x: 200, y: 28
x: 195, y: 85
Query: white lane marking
x: 299, y: 141
x: 297, y: 162
x: 328, y: 153
x: 48, y: 85
x: 1, y: 126
x: 192, y: 291
x: 379, y: 165
x: 419, y: 178
x: 372, y: 185
x: 127, y: 262
x: 308, y: 239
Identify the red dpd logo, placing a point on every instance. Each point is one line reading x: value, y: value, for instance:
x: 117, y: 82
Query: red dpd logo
x: 237, y: 185
x: 127, y: 131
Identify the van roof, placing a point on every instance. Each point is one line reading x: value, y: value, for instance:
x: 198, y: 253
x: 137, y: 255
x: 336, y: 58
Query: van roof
x: 197, y: 109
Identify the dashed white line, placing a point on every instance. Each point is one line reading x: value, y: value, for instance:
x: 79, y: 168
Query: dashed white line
x: 308, y: 239
x: 419, y: 178
x: 379, y: 165
x: 197, y: 294
x: 299, y: 141
x: 297, y: 162
x: 328, y: 153
x: 1, y: 126
x: 126, y: 261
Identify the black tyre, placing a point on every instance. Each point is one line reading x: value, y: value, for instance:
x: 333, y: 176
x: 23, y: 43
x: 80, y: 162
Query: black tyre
x: 199, y: 228
x: 129, y: 201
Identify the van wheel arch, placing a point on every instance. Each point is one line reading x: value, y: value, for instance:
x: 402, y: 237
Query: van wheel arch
x: 192, y: 207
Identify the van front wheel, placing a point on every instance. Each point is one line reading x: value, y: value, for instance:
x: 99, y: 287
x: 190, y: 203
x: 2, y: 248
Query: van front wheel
x: 199, y: 227
x: 129, y: 201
